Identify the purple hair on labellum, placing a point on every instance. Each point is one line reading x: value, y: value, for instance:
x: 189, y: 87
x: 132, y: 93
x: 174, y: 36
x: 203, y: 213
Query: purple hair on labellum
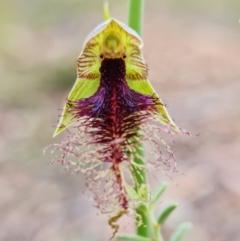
x: 114, y: 110
x: 113, y: 115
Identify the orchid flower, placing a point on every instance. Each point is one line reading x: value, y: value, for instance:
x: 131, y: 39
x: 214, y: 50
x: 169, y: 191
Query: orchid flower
x: 112, y: 105
x: 111, y: 60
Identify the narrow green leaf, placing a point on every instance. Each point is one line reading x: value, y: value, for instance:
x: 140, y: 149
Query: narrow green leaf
x: 160, y: 190
x: 166, y: 212
x: 126, y: 237
x: 180, y: 231
x: 132, y: 193
x: 143, y: 191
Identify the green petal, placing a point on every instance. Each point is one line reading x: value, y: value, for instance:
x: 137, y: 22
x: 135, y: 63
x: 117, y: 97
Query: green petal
x: 144, y: 87
x: 83, y: 88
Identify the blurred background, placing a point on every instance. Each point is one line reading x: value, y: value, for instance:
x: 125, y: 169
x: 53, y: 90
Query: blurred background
x: 193, y: 53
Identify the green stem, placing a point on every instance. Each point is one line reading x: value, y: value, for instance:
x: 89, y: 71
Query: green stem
x: 135, y: 17
x: 142, y: 211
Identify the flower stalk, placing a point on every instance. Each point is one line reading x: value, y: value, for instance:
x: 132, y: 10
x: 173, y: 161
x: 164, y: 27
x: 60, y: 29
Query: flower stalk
x: 135, y: 15
x: 135, y: 20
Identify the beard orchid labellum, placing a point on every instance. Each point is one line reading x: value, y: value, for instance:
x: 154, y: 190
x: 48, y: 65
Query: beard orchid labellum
x: 111, y: 105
